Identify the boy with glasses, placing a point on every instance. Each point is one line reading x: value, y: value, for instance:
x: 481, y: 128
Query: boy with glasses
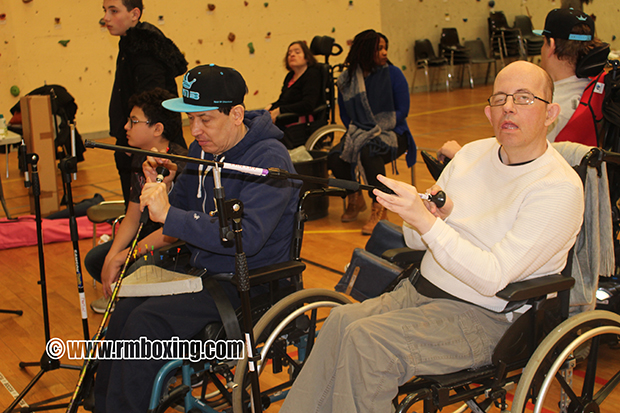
x: 148, y: 127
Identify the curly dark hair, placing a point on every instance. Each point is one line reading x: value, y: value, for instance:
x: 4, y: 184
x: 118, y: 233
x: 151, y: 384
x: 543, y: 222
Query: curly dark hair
x: 362, y: 53
x: 573, y: 50
x: 150, y: 103
x: 132, y: 4
x: 307, y: 54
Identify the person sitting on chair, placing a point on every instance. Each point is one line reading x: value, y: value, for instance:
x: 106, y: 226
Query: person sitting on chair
x: 513, y: 210
x: 300, y: 93
x: 568, y: 37
x: 149, y: 126
x: 213, y: 99
x: 373, y: 97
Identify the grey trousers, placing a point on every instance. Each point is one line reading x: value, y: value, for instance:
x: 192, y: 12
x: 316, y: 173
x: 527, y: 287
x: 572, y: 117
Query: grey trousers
x: 365, y: 351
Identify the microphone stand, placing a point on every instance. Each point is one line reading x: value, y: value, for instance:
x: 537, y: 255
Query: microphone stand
x: 46, y: 363
x: 68, y: 166
x: 232, y: 210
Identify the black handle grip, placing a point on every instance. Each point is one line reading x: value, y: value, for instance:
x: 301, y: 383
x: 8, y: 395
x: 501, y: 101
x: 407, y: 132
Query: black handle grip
x: 439, y: 199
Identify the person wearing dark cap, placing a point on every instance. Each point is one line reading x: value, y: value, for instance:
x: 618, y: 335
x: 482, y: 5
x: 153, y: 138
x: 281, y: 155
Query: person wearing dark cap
x: 568, y: 37
x: 223, y: 131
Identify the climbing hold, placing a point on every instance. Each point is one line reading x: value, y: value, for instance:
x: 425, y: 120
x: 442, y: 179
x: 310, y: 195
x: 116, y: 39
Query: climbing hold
x: 160, y: 20
x: 2, y: 16
x: 268, y: 36
x: 57, y: 20
x: 349, y: 42
x: 211, y: 6
x: 251, y: 47
x: 101, y: 22
x: 231, y: 37
x: 255, y: 92
x: 197, y: 62
x: 64, y: 42
x: 26, y: 1
x: 492, y: 3
x: 333, y: 29
x: 613, y: 38
x: 199, y: 41
x: 245, y: 3
x: 465, y: 19
x: 403, y: 68
x: 266, y: 4
x: 350, y: 3
x: 15, y: 90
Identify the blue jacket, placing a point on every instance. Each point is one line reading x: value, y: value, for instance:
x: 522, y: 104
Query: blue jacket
x: 269, y: 204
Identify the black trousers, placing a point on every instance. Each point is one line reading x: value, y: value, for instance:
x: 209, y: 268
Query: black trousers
x: 125, y: 385
x: 373, y: 165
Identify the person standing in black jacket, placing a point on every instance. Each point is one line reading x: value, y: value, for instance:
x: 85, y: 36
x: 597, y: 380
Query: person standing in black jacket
x: 146, y: 59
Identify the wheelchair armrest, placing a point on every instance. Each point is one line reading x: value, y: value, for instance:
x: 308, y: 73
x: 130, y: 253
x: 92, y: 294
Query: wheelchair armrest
x: 268, y: 273
x: 284, y: 119
x: 537, y: 287
x: 404, y: 255
x: 319, y: 110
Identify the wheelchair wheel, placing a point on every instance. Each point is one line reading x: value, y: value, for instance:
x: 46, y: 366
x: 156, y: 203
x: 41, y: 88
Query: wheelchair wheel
x: 549, y: 378
x: 284, y: 336
x: 326, y: 137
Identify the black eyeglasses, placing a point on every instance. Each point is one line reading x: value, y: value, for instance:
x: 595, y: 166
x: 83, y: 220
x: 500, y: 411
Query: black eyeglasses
x: 134, y: 121
x: 519, y: 98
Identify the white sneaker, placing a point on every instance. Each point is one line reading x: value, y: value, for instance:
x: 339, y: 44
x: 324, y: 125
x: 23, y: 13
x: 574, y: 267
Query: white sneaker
x: 99, y: 305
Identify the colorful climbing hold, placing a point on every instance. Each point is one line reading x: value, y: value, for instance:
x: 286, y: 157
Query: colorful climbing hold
x: 251, y: 47
x: 64, y: 42
x: 231, y: 37
x: 15, y: 90
x: 211, y: 6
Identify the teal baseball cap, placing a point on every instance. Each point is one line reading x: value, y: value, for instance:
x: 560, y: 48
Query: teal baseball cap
x: 209, y: 87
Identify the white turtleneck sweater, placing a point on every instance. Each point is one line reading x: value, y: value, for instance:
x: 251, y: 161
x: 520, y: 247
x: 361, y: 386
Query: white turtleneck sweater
x: 509, y: 223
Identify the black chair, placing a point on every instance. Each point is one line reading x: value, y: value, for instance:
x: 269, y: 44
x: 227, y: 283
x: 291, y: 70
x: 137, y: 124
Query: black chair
x: 478, y: 55
x: 451, y: 49
x: 533, y: 43
x: 424, y: 56
x: 505, y: 42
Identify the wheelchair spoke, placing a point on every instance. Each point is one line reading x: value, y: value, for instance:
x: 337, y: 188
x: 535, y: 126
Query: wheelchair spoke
x: 606, y: 390
x: 568, y: 389
x: 589, y: 380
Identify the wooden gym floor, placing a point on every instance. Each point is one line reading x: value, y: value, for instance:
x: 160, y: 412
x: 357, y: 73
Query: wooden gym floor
x: 434, y: 118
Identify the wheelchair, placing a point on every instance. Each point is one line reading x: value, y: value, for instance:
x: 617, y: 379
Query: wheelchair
x: 289, y: 320
x: 324, y: 133
x: 548, y: 356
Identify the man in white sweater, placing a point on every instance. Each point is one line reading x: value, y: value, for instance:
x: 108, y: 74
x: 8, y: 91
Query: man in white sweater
x: 513, y: 211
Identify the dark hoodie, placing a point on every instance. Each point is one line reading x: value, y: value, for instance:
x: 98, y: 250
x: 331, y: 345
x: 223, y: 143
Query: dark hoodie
x: 146, y: 59
x: 269, y: 204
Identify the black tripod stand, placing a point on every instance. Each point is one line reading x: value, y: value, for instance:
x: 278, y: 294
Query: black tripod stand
x: 46, y: 363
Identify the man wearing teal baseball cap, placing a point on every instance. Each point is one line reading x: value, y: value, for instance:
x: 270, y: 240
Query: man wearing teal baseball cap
x: 223, y: 130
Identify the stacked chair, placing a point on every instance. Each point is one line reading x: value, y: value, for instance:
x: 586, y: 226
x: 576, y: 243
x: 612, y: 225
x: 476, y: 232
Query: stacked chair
x: 505, y: 41
x: 452, y: 50
x: 424, y: 56
x: 532, y: 42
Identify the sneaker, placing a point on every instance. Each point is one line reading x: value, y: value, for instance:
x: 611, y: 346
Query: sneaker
x: 100, y: 304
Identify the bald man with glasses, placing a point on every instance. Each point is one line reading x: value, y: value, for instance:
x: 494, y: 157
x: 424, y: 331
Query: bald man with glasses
x: 513, y: 211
